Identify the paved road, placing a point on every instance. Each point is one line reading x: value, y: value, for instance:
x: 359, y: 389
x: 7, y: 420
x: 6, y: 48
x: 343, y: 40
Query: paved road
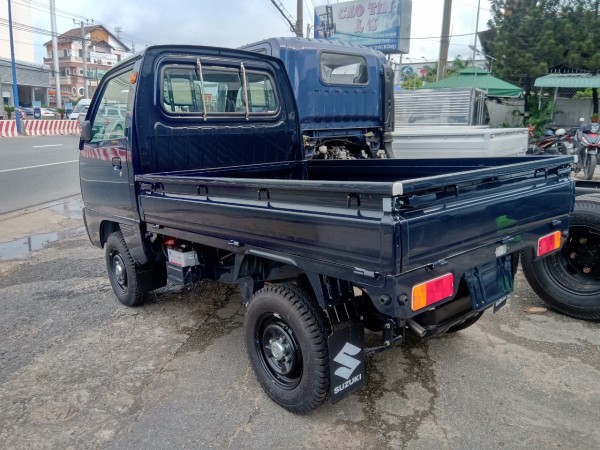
x: 77, y: 370
x: 37, y: 169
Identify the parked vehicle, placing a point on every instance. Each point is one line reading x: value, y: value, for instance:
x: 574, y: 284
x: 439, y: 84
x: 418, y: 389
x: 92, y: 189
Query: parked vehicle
x: 83, y: 103
x: 48, y: 113
x: 569, y: 280
x: 344, y: 93
x: 320, y: 249
x: 586, y: 143
x: 346, y: 101
x: 551, y: 143
x: 26, y: 111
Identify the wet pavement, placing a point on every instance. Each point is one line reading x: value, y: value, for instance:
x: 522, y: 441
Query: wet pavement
x: 78, y: 370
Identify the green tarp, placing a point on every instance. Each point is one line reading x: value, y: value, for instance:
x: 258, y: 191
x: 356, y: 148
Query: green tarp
x: 473, y: 77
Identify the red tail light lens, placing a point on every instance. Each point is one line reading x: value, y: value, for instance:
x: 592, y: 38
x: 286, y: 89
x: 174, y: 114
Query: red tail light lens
x: 432, y: 291
x: 549, y: 243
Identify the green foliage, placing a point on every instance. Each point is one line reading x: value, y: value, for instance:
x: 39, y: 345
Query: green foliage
x: 531, y: 36
x: 9, y: 111
x: 583, y: 93
x: 413, y: 82
x: 540, y: 117
x: 431, y: 73
x: 61, y: 111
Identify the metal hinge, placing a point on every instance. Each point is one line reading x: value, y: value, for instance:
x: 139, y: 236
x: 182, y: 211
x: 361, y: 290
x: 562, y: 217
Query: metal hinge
x: 366, y: 273
x: 435, y: 265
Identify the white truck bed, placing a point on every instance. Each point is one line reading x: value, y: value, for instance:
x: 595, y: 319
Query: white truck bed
x: 458, y: 142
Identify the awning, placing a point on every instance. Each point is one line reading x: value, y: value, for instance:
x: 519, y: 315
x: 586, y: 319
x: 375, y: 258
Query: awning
x: 473, y: 77
x: 569, y: 80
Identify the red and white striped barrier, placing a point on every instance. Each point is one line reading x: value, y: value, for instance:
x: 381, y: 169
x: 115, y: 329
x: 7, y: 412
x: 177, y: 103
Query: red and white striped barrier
x: 8, y: 128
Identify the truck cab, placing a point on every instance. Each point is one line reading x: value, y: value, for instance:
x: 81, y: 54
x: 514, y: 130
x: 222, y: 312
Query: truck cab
x: 344, y: 94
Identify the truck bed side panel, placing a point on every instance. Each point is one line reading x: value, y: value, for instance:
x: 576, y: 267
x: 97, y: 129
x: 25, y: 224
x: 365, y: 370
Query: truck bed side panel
x: 335, y: 235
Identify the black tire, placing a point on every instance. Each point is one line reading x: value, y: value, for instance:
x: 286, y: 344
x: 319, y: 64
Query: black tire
x: 569, y: 280
x: 466, y: 324
x: 296, y: 375
x: 589, y: 166
x: 122, y: 271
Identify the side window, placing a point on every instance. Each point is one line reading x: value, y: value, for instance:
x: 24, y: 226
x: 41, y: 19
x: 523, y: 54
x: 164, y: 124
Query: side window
x: 220, y: 91
x: 109, y: 121
x: 339, y: 68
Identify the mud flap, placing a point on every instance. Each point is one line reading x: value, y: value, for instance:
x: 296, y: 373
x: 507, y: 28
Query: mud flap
x: 346, y: 353
x: 491, y: 283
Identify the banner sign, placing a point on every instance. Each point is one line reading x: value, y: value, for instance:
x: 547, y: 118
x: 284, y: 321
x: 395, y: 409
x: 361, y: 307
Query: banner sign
x: 382, y: 25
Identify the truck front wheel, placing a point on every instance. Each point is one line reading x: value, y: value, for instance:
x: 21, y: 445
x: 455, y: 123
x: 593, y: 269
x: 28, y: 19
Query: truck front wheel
x: 286, y: 341
x: 569, y: 280
x: 122, y: 270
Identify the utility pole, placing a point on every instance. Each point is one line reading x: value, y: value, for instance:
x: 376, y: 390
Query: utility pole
x: 14, y: 72
x: 299, y: 18
x: 476, y: 30
x: 445, y: 40
x: 84, y: 54
x: 57, y: 89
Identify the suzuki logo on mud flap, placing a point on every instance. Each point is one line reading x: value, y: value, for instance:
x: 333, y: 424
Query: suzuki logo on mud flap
x: 345, y: 359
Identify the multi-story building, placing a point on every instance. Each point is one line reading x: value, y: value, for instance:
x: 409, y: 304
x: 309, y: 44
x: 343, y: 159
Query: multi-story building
x: 22, y: 34
x: 103, y: 50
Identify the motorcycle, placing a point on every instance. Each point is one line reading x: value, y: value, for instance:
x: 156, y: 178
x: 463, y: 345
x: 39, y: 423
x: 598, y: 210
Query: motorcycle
x: 551, y: 143
x: 585, y: 146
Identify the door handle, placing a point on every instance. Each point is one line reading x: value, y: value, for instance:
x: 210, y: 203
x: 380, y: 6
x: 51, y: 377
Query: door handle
x: 116, y: 163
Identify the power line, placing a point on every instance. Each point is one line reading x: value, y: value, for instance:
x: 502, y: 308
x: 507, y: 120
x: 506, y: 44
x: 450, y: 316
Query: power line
x: 37, y: 6
x: 286, y: 15
x: 276, y: 12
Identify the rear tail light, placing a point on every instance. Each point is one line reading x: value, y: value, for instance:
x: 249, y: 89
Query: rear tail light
x: 432, y: 291
x: 549, y: 243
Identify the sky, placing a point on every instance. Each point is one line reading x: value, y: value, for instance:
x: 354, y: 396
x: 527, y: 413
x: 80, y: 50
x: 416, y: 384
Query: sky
x: 231, y: 23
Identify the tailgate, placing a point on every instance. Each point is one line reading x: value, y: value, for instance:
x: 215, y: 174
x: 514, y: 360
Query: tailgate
x: 441, y: 217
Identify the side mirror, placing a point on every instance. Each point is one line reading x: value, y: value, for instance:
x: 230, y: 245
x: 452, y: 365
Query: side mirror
x: 86, y: 131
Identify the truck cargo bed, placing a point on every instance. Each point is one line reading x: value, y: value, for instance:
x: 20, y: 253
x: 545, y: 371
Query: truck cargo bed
x: 340, y: 214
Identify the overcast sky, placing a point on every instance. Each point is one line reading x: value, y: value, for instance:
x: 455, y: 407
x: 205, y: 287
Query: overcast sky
x: 231, y: 23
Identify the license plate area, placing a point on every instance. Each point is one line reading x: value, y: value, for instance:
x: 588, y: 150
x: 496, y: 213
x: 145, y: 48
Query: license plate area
x: 489, y: 283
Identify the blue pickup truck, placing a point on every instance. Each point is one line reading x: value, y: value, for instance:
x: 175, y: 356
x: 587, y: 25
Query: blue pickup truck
x: 208, y: 178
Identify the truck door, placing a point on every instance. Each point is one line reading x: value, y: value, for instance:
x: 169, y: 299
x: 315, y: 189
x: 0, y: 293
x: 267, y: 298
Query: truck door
x: 105, y: 161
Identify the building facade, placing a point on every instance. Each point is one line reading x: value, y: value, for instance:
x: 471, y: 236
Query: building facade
x: 103, y: 50
x: 22, y: 34
x: 33, y: 82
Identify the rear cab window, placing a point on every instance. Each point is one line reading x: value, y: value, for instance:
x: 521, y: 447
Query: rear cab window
x: 211, y: 90
x: 341, y: 68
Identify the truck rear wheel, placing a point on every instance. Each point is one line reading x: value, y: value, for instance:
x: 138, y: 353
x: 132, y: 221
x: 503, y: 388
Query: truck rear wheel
x: 122, y: 271
x: 286, y: 341
x: 569, y: 280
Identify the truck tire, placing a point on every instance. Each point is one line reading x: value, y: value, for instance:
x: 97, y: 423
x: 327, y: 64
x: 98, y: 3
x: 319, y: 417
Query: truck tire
x: 122, y: 271
x: 569, y: 280
x: 286, y: 341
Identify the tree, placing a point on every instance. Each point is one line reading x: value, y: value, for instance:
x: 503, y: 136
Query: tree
x: 530, y: 36
x: 9, y: 110
x: 525, y: 38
